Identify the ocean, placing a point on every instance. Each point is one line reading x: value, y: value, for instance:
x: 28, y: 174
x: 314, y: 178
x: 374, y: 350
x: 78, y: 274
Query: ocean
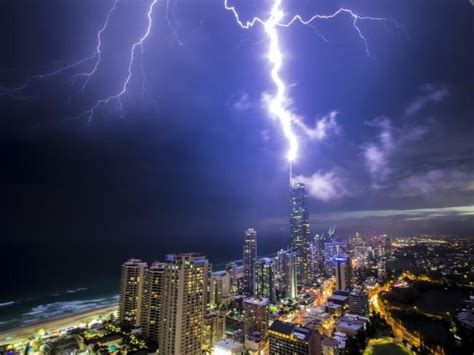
x: 44, y: 304
x: 45, y: 281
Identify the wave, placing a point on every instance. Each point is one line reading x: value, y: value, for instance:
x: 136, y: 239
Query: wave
x: 77, y: 290
x: 6, y: 304
x: 58, y: 309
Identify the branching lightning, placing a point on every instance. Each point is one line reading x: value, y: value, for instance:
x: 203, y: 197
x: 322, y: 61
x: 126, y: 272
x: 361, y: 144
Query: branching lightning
x: 98, y: 50
x: 83, y: 70
x: 95, y: 58
x: 278, y: 103
x: 138, y: 45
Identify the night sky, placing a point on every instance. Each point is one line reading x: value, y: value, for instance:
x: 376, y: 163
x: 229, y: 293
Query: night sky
x: 194, y: 159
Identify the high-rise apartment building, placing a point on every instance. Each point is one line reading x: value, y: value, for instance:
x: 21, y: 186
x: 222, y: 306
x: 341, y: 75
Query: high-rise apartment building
x: 184, y: 304
x: 249, y: 259
x: 265, y: 279
x: 359, y: 303
x: 342, y: 272
x: 152, y: 299
x: 255, y: 316
x: 299, y: 232
x: 387, y: 246
x: 231, y: 270
x: 214, y: 329
x: 220, y: 289
x: 131, y: 291
x: 286, y: 274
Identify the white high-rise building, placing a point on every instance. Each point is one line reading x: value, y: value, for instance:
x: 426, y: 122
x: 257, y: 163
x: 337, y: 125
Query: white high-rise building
x: 184, y: 304
x: 265, y: 279
x: 152, y: 299
x: 131, y: 293
x: 286, y: 274
x: 342, y: 272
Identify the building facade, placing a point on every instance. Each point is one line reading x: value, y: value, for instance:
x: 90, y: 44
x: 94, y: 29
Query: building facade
x: 342, y: 272
x: 359, y: 303
x: 131, y: 293
x: 290, y: 339
x: 255, y: 316
x: 286, y: 275
x: 249, y: 260
x: 184, y: 304
x: 265, y: 279
x: 299, y: 232
x: 152, y: 299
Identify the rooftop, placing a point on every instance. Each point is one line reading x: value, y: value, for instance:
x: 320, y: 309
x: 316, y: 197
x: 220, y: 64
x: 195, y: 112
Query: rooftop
x: 290, y: 329
x: 257, y: 301
x: 337, y: 298
x: 229, y: 344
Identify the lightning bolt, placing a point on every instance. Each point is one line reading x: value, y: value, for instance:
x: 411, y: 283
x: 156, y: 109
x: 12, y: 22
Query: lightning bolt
x: 173, y: 27
x: 95, y: 57
x: 98, y: 50
x: 94, y: 61
x: 138, y: 45
x: 278, y: 105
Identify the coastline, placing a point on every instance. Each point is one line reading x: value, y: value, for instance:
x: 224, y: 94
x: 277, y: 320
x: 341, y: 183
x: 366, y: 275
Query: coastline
x: 54, y: 324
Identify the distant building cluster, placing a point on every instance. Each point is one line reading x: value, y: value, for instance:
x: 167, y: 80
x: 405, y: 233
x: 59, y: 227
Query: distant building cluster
x: 300, y: 301
x: 314, y: 297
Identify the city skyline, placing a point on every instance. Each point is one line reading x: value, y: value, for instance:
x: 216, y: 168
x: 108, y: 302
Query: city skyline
x: 317, y: 156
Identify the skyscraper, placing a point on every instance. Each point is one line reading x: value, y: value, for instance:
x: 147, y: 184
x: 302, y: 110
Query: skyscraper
x: 265, y: 279
x: 299, y: 232
x: 387, y: 245
x: 131, y: 290
x: 286, y: 274
x: 249, y: 259
x: 255, y: 316
x: 152, y: 298
x: 220, y: 289
x: 184, y: 304
x: 342, y: 272
x: 214, y: 329
x: 359, y: 303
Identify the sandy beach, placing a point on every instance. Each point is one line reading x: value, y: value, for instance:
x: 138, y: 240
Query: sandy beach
x: 25, y: 332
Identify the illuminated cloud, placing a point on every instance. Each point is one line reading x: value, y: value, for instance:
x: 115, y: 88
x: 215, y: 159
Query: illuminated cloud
x: 323, y: 127
x: 420, y: 213
x: 242, y: 103
x: 385, y: 219
x: 324, y: 186
x: 429, y: 94
x: 377, y: 154
x: 436, y: 180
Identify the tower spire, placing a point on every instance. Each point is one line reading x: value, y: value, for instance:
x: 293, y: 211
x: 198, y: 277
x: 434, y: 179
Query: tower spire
x: 291, y: 173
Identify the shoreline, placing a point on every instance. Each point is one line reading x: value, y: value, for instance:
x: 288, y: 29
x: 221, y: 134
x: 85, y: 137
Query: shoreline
x: 52, y: 324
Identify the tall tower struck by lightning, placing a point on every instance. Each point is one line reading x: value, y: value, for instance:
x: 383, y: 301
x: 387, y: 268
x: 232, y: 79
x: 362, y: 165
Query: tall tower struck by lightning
x: 299, y: 232
x: 249, y: 260
x: 278, y: 106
